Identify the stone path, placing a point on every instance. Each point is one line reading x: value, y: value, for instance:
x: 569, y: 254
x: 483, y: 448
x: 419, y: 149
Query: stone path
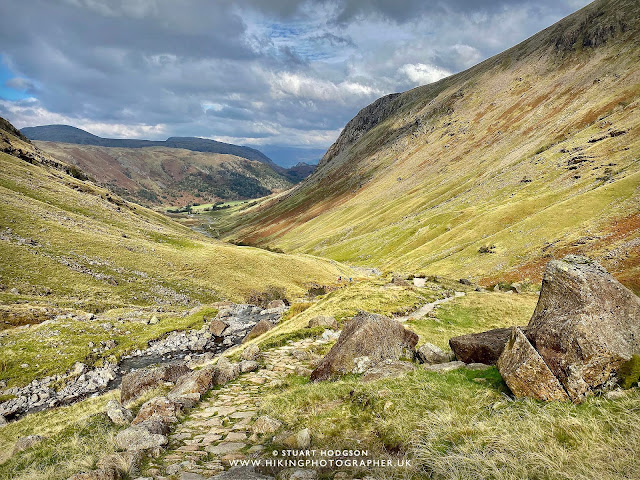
x: 427, y: 308
x: 218, y: 430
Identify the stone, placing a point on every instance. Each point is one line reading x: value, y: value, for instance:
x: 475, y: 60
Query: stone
x: 100, y: 474
x: 158, y: 408
x: 585, y: 325
x: 392, y: 369
x: 276, y: 304
x: 525, y: 371
x: 431, y: 354
x: 217, y: 327
x: 191, y: 476
x: 301, y: 439
x: 265, y: 424
x: 154, y: 320
x: 323, y: 321
x: 477, y: 366
x: 261, y: 327
x: 225, y: 371
x: 3, y: 421
x: 117, y: 413
x: 24, y: 443
x: 248, y: 366
x: 485, y: 347
x: 137, y: 382
x: 225, y: 447
x: 297, y: 474
x: 374, y: 336
x: 251, y: 353
x: 139, y: 438
x: 242, y: 473
x: 445, y: 367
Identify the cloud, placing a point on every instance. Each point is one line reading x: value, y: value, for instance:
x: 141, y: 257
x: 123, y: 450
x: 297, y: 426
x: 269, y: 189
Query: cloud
x: 280, y: 73
x: 421, y: 74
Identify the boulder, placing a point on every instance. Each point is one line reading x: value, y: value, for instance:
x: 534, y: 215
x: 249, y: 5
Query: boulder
x: 251, y: 353
x: 445, y: 367
x: 159, y: 408
x: 117, y: 413
x: 248, y: 366
x: 265, y: 424
x: 100, y: 474
x: 485, y: 347
x: 261, y: 327
x: 276, y: 304
x: 225, y: 371
x: 525, y: 371
x: 465, y: 281
x: 23, y: 443
x: 323, y: 321
x: 585, y: 325
x: 430, y: 354
x: 198, y: 381
x: 139, y: 438
x: 367, y: 335
x: 217, y: 327
x: 241, y: 473
x: 137, y: 382
x: 301, y: 439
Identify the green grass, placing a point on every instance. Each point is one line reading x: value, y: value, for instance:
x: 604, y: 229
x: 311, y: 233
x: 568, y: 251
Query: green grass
x: 475, y: 312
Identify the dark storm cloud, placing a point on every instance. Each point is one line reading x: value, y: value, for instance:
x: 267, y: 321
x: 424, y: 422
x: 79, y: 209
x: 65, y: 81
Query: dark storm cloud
x: 278, y: 72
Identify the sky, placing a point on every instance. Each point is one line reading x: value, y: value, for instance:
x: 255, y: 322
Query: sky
x: 283, y: 76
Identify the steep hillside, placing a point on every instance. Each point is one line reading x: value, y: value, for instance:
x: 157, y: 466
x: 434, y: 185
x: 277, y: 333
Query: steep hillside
x: 68, y: 243
x: 170, y: 176
x: 488, y: 173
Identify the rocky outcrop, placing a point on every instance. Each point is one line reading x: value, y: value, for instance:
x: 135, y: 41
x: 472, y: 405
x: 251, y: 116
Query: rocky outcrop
x: 366, y: 339
x: 525, y: 371
x: 586, y: 325
x: 137, y: 382
x: 323, y: 321
x: 485, y: 347
x: 158, y: 408
x: 431, y: 354
x: 199, y: 382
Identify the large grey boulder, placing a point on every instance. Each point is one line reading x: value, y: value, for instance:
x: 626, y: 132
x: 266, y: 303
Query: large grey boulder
x: 117, y: 413
x: 526, y: 373
x: 485, y: 347
x: 137, y: 382
x: 375, y: 337
x: 586, y: 325
x: 430, y: 354
x: 139, y: 438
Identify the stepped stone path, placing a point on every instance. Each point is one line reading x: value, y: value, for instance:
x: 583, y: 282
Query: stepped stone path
x: 218, y: 430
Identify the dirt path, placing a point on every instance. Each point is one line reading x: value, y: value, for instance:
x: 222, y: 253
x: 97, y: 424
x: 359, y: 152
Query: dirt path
x: 427, y: 308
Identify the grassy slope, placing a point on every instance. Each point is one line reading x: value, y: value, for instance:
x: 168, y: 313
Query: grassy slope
x: 484, y: 158
x: 170, y: 176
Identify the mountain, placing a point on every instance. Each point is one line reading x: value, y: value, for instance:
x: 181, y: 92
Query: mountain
x: 67, y: 242
x: 176, y: 171
x: 170, y: 176
x: 69, y: 134
x: 531, y: 154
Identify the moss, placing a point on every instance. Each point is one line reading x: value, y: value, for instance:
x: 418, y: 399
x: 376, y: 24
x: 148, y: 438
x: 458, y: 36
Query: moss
x: 629, y: 372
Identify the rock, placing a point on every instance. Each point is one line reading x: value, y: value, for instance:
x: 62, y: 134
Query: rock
x: 198, y: 381
x: 251, y: 352
x: 137, y: 382
x: 117, y: 413
x: 585, y: 325
x: 477, y: 366
x: 159, y: 408
x: 154, y: 425
x: 516, y: 288
x: 261, y: 327
x: 445, y: 367
x: 297, y: 474
x: 484, y: 347
x: 225, y: 371
x: 393, y: 369
x: 154, y: 320
x: 430, y: 354
x: 265, y: 424
x: 29, y: 441
x: 217, y: 327
x: 3, y: 421
x: 323, y: 321
x: 526, y: 373
x: 248, y: 366
x: 101, y: 474
x: 276, y: 304
x: 399, y: 280
x: 225, y: 447
x: 370, y: 335
x: 301, y: 439
x: 241, y: 473
x: 139, y: 438
x: 465, y: 281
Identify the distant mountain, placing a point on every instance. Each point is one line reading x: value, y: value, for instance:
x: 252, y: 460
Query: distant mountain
x: 486, y: 174
x: 69, y: 134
